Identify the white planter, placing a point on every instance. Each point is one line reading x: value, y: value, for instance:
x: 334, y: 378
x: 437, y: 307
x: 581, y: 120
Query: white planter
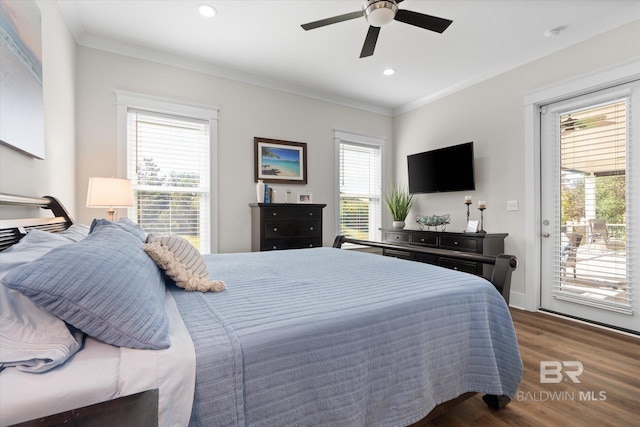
x: 398, y: 224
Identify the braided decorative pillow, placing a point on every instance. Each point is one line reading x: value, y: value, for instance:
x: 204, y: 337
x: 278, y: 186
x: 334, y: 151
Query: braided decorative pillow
x: 182, y: 262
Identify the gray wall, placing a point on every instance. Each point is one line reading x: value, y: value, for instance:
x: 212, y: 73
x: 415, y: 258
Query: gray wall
x: 245, y: 111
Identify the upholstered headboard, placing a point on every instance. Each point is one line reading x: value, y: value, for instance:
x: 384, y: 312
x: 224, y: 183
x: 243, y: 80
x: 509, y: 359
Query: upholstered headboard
x: 12, y: 230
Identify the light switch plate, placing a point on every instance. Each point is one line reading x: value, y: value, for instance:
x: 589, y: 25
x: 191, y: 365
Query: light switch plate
x: 512, y: 205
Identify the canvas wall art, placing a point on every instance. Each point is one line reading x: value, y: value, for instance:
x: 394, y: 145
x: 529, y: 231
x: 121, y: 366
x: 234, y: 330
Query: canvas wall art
x: 21, y: 99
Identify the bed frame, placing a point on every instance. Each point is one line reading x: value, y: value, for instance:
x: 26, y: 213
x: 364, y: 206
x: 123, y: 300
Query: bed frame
x: 12, y: 230
x: 503, y: 264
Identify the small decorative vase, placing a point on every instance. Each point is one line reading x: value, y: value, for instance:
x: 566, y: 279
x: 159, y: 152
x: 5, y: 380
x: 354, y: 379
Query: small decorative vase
x: 398, y: 224
x: 260, y: 191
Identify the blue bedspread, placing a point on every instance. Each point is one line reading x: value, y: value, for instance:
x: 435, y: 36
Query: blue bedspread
x: 330, y: 337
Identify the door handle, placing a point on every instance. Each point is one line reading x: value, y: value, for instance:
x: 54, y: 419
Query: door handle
x: 546, y: 234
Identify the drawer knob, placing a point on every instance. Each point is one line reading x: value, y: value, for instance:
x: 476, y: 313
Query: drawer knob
x: 455, y: 268
x: 422, y: 240
x: 275, y: 247
x: 455, y: 243
x: 310, y: 245
x: 310, y: 213
x: 397, y: 237
x: 311, y: 228
x: 275, y: 228
x: 275, y: 214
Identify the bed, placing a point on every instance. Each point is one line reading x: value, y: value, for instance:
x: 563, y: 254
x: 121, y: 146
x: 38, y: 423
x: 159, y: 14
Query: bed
x: 322, y: 336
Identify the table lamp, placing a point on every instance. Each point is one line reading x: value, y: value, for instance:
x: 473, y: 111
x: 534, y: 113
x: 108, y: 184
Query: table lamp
x: 109, y: 193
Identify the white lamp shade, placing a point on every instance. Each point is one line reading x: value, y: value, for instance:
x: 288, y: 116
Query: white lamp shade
x: 109, y: 193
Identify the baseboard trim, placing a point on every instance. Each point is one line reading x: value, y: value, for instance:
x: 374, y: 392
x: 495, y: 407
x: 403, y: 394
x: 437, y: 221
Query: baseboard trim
x: 624, y: 331
x: 518, y: 300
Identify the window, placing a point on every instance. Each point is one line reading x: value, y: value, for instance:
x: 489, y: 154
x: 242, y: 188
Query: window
x: 593, y: 200
x: 359, y: 185
x: 169, y: 164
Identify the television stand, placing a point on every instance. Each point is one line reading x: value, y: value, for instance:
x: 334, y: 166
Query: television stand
x: 477, y: 243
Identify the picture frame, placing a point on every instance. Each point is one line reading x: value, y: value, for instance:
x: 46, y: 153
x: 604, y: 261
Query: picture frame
x: 472, y: 226
x: 305, y: 198
x: 278, y: 161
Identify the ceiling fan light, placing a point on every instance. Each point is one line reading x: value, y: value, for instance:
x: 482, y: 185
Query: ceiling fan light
x: 380, y: 12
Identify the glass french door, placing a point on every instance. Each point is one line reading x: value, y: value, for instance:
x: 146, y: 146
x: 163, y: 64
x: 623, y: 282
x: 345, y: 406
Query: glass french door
x: 590, y: 207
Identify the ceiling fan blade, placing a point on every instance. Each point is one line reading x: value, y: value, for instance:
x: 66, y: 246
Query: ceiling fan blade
x: 421, y: 20
x: 370, y: 41
x: 333, y: 20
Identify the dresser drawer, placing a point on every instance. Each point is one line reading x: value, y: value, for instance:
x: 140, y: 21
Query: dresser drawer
x: 454, y: 264
x: 298, y: 212
x: 396, y: 238
x: 419, y: 239
x: 397, y: 254
x: 427, y: 258
x: 459, y: 243
x: 278, y: 244
x: 279, y: 229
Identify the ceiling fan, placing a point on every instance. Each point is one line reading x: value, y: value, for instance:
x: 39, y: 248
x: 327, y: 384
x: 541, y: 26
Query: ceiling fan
x: 570, y: 124
x: 379, y: 13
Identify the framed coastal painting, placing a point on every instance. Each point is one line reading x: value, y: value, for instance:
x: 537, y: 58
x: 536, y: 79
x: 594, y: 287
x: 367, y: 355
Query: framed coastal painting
x: 279, y: 161
x: 21, y: 96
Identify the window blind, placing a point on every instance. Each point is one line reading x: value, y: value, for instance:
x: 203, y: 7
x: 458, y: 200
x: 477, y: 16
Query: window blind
x: 594, y: 193
x: 168, y: 165
x: 360, y: 190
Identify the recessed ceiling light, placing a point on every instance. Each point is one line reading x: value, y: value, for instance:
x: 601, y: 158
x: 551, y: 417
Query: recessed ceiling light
x: 389, y: 71
x: 554, y: 32
x: 206, y: 10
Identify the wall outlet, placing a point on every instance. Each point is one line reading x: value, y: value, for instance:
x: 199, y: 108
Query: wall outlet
x: 512, y: 205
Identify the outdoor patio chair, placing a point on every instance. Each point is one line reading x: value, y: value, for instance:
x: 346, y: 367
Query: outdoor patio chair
x: 598, y: 232
x: 569, y: 252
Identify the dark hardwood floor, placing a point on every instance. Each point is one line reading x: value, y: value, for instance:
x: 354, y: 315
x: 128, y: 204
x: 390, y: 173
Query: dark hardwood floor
x: 608, y: 393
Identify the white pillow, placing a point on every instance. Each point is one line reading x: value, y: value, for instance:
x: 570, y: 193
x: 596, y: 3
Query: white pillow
x: 31, y: 338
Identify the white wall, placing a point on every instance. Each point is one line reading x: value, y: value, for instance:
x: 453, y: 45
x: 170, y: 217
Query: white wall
x: 492, y: 115
x: 245, y: 111
x: 55, y: 175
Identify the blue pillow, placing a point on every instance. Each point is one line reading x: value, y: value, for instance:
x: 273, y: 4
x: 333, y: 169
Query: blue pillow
x: 125, y: 223
x: 105, y: 285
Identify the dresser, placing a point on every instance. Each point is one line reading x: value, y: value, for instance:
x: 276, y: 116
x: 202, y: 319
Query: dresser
x: 477, y: 243
x: 277, y: 226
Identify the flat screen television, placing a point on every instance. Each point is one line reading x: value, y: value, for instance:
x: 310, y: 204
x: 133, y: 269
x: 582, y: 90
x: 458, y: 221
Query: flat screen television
x: 442, y: 170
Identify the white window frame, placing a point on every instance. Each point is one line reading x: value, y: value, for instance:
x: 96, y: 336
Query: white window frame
x: 342, y: 136
x: 126, y: 100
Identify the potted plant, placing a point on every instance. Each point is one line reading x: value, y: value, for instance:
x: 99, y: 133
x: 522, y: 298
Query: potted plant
x: 399, y: 202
